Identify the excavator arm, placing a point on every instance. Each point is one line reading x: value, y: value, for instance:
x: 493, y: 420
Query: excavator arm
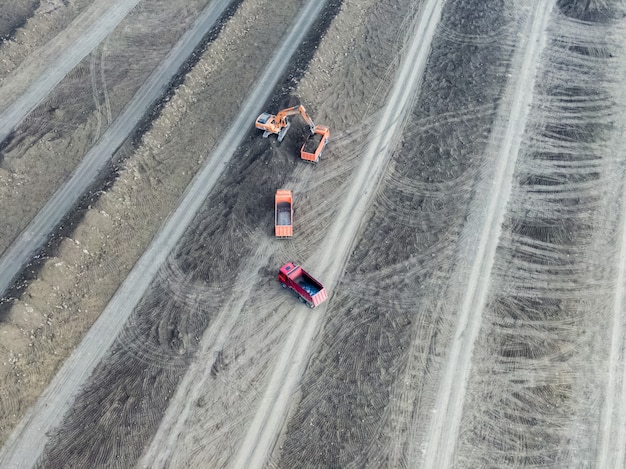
x: 281, y: 117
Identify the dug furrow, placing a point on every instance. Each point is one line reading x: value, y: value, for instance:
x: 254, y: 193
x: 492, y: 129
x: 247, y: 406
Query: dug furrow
x: 34, y: 235
x: 26, y: 444
x: 441, y: 440
x: 334, y: 250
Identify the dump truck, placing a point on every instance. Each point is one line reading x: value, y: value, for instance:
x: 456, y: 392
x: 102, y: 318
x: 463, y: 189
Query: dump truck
x: 283, y: 214
x: 302, y: 284
x: 312, y: 148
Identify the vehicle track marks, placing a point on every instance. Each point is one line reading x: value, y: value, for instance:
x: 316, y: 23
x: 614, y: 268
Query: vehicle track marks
x: 70, y: 57
x: 334, y: 250
x: 26, y: 443
x: 612, y: 428
x: 173, y: 445
x: 441, y: 439
x: 36, y: 232
x: 613, y: 424
x: 161, y: 449
x: 95, y: 64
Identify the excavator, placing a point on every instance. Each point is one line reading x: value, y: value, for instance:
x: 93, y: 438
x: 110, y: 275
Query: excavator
x: 279, y: 124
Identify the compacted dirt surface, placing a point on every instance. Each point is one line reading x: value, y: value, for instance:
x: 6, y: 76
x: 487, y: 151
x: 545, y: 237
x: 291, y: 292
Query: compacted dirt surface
x: 468, y: 219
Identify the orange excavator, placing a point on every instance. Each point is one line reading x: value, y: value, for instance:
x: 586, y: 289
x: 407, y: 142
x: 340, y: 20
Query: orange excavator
x: 279, y: 124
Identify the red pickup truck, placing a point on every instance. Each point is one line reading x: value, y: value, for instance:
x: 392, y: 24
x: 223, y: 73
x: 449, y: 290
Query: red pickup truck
x: 305, y: 287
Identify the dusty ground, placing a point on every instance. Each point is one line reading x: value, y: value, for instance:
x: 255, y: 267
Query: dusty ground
x: 362, y: 411
x: 25, y: 25
x: 57, y: 308
x: 204, y: 346
x: 58, y: 133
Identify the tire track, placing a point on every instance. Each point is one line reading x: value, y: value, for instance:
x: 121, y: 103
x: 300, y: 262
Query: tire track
x: 19, y: 253
x: 162, y: 447
x: 612, y: 428
x: 71, y: 56
x: 94, y: 92
x: 269, y: 419
x: 613, y: 424
x: 27, y: 442
x: 441, y: 439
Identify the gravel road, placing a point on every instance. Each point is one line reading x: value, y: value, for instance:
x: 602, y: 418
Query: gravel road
x: 467, y: 219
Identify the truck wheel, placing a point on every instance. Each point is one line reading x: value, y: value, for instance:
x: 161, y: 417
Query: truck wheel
x: 311, y: 305
x: 284, y: 285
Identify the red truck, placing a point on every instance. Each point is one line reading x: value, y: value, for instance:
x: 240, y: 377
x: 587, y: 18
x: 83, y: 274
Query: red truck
x: 305, y: 287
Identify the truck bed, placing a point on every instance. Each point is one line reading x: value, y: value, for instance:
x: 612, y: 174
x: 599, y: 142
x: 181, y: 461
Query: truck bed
x: 308, y: 286
x: 313, y: 147
x: 311, y: 144
x: 283, y: 214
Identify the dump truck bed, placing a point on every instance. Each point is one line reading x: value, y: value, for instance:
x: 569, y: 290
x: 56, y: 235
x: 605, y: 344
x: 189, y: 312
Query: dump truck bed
x: 283, y: 214
x: 311, y: 150
x: 312, y: 143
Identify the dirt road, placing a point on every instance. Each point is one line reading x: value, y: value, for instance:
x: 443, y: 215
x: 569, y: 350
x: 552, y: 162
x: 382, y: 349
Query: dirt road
x: 30, y: 172
x: 60, y: 66
x: 488, y: 215
x: 539, y: 379
x: 19, y: 253
x: 463, y: 219
x: 96, y: 344
x: 335, y: 248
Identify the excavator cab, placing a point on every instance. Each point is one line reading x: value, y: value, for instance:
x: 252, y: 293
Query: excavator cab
x: 263, y: 118
x: 270, y: 125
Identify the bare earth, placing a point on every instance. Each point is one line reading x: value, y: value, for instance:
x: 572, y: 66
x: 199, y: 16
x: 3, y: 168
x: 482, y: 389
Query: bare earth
x: 468, y: 219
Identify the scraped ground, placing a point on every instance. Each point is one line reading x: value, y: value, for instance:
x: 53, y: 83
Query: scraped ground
x: 203, y: 344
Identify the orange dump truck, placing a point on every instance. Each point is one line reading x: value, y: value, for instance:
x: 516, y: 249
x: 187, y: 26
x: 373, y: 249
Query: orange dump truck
x: 312, y: 149
x: 283, y: 214
x: 305, y: 287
